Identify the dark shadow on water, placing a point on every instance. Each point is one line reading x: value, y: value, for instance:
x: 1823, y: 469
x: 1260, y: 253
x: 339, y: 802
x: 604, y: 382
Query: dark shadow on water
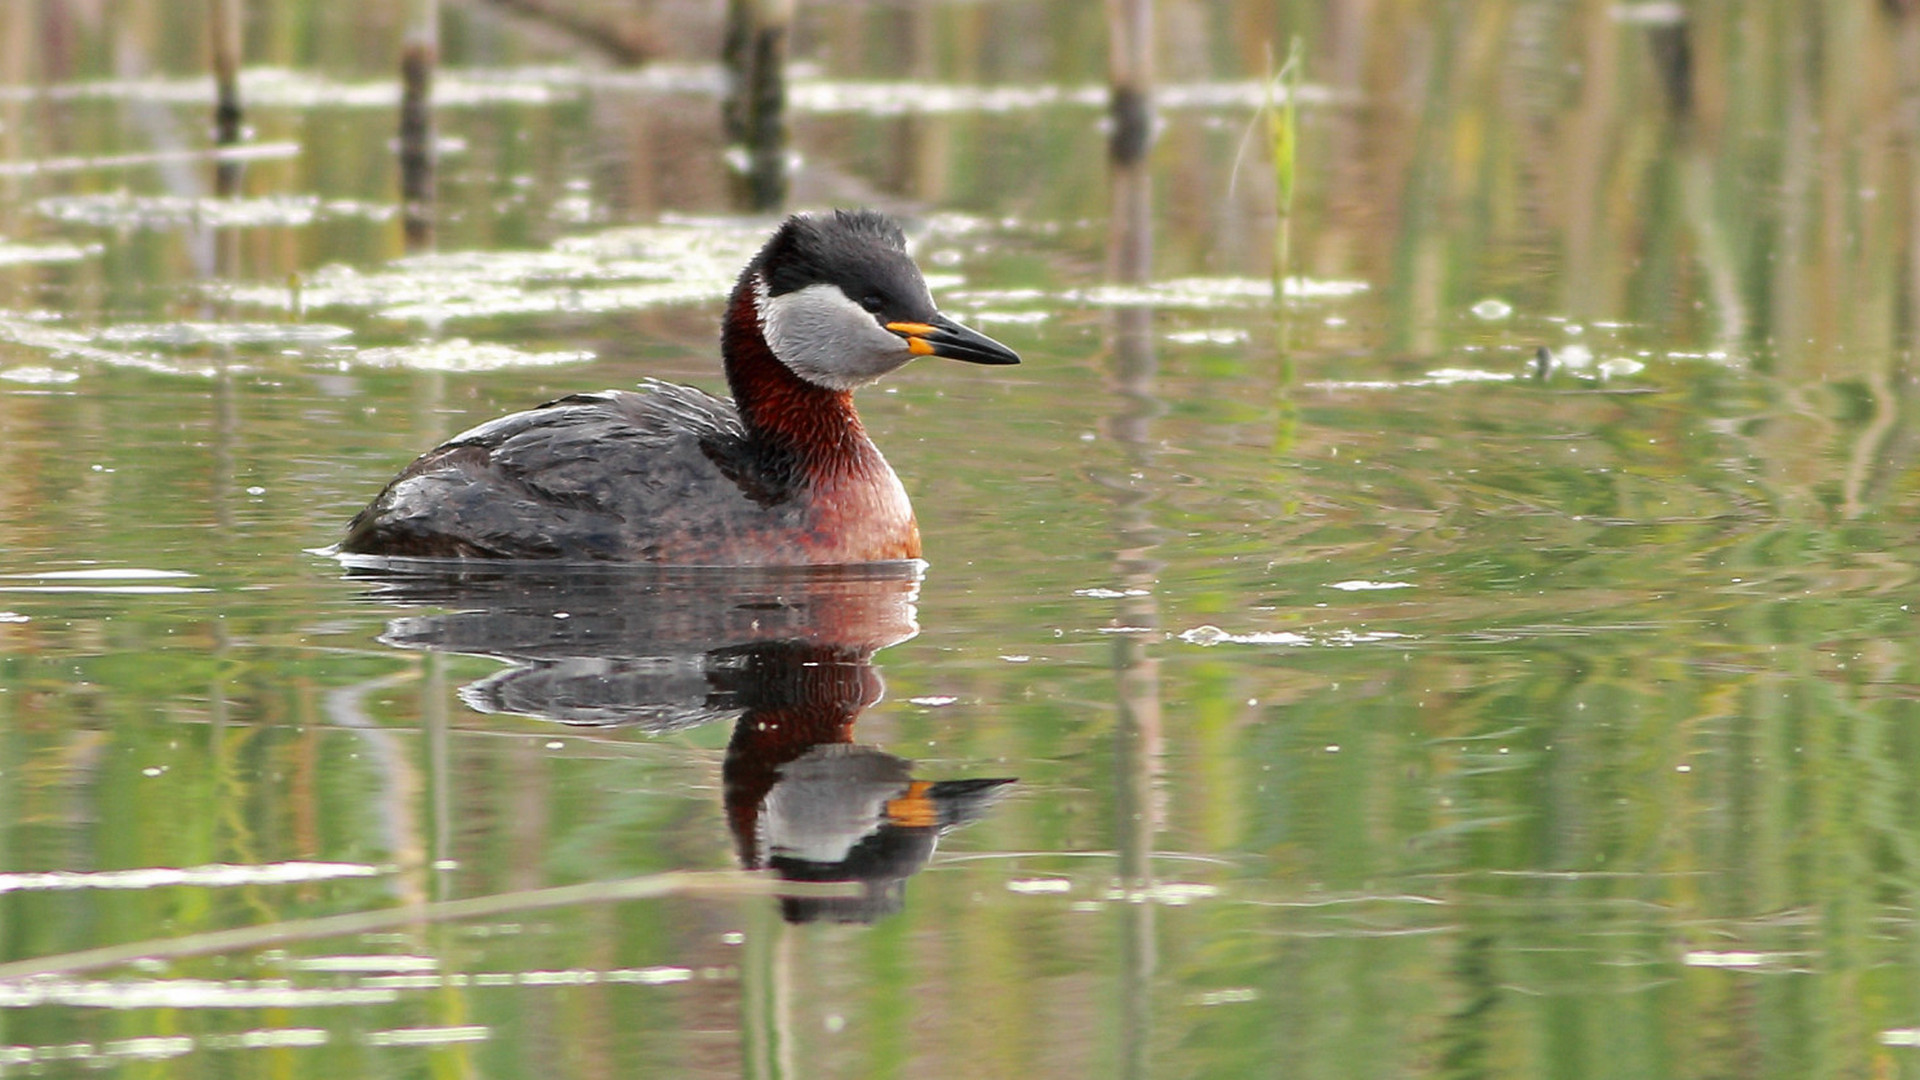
x: 785, y: 656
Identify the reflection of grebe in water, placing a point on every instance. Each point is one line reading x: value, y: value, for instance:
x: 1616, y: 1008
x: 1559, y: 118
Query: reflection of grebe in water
x: 808, y: 802
x: 787, y: 655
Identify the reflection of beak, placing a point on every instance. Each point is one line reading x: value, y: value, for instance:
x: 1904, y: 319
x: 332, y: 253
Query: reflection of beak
x: 944, y: 337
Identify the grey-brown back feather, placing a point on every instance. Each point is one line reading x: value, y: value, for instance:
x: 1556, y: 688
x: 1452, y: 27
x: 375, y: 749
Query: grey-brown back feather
x: 608, y: 475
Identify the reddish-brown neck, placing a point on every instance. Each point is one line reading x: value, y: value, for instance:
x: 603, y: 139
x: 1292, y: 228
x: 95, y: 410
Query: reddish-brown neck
x: 818, y: 424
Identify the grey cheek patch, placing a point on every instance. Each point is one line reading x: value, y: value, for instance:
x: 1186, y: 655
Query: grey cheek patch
x: 828, y: 339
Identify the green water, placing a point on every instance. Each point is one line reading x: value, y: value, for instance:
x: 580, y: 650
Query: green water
x: 1378, y: 706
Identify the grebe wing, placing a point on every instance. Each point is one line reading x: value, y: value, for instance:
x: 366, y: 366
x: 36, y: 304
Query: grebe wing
x: 584, y: 476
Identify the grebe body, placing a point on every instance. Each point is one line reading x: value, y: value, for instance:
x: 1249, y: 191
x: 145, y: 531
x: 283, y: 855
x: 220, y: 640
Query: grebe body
x: 783, y: 474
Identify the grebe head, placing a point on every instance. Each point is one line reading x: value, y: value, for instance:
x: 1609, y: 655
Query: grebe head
x: 840, y: 304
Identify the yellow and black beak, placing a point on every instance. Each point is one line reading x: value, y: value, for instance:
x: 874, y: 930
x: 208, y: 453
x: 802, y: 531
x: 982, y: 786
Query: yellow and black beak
x: 941, y: 336
x: 916, y: 808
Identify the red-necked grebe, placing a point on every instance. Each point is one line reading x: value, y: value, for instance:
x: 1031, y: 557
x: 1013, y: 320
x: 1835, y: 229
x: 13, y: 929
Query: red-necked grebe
x: 783, y: 474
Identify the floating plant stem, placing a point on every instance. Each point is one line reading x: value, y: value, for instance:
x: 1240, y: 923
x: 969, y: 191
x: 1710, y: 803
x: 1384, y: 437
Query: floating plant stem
x: 701, y: 883
x: 1283, y: 142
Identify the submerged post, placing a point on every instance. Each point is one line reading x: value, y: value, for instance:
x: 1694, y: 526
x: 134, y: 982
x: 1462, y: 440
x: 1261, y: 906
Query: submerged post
x: 754, y: 112
x: 1130, y: 78
x: 223, y: 24
x: 420, y: 51
x: 1138, y: 737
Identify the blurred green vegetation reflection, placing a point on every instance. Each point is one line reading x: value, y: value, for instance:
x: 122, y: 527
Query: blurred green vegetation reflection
x: 1492, y: 657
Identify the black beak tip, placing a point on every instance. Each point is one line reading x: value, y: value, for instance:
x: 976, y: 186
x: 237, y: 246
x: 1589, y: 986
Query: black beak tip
x: 957, y: 342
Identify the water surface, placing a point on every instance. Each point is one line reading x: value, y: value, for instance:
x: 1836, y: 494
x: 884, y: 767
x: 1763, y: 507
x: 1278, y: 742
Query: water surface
x: 1376, y: 701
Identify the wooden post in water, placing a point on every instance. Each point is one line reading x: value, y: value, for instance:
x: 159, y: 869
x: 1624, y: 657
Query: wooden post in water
x: 419, y: 53
x: 223, y: 23
x: 1672, y: 43
x: 1138, y: 739
x: 754, y: 112
x: 1130, y: 78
